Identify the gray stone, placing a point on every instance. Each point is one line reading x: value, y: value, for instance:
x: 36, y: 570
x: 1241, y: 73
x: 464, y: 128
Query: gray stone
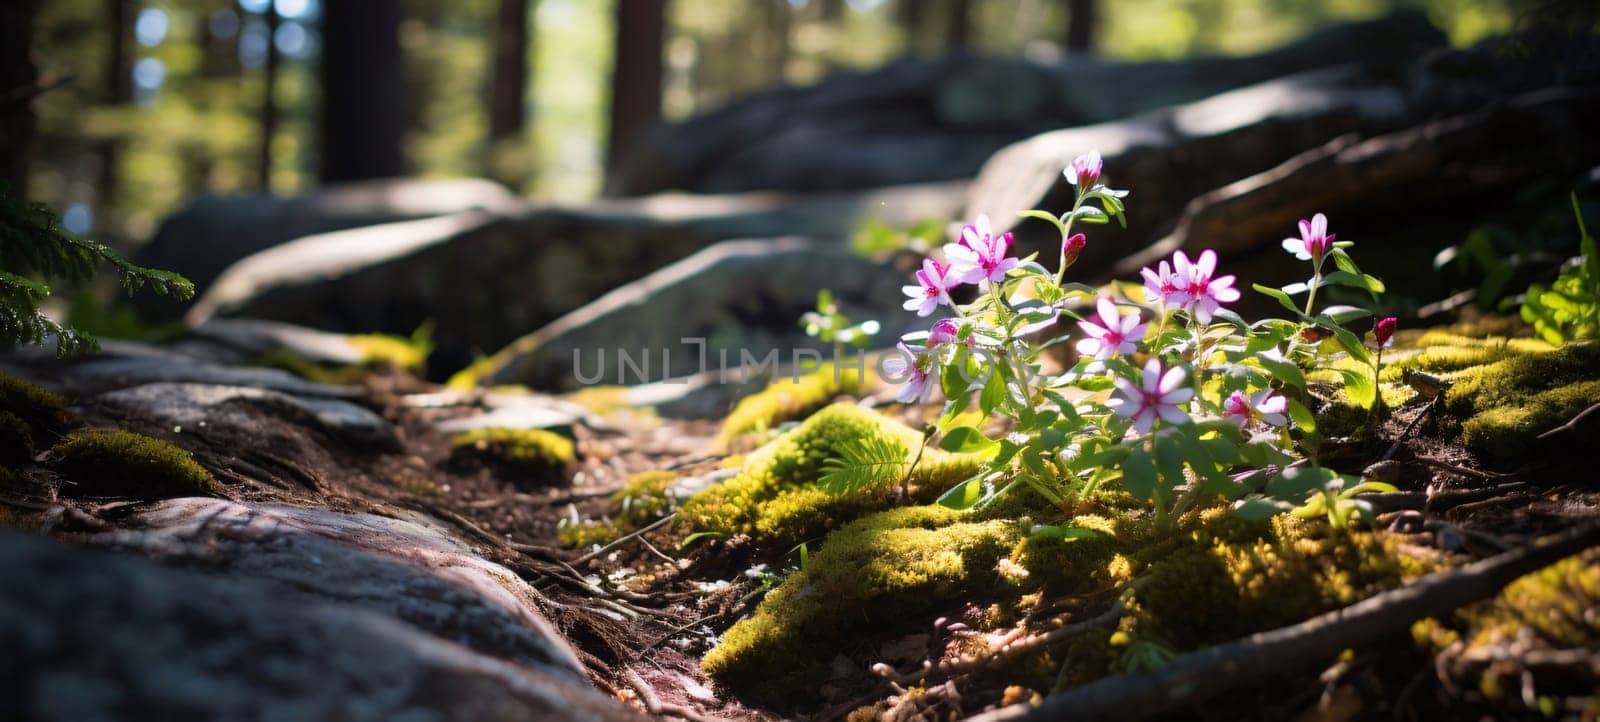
x: 921, y: 120
x: 95, y: 636
x: 210, y: 233
x: 485, y: 279
x: 251, y: 337
x: 194, y: 405
x: 97, y: 374
x: 742, y: 298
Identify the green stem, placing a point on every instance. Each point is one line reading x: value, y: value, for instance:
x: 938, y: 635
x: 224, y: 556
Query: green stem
x: 1311, y: 298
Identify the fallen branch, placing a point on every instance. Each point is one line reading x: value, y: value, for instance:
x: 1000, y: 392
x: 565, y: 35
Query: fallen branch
x: 1439, y: 501
x: 1201, y: 675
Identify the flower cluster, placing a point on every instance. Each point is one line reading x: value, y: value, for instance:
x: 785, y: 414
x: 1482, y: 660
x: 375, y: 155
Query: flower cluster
x: 1172, y: 396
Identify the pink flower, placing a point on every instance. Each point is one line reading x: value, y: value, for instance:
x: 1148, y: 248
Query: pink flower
x: 1085, y: 170
x: 1206, y: 292
x: 1163, y: 285
x: 1314, y: 239
x: 1070, y: 248
x: 1265, y: 405
x: 1383, y: 331
x: 933, y: 288
x: 1157, y: 398
x: 981, y: 254
x: 948, y: 330
x: 915, y: 370
x: 1111, y: 333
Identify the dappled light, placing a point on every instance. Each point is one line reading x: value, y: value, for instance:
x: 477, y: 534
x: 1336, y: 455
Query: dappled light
x: 906, y: 360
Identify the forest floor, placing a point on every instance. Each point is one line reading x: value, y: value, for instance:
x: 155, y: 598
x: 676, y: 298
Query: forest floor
x: 643, y: 596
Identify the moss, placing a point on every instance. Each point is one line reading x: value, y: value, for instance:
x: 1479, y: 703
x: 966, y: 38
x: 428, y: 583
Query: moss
x: 643, y: 499
x: 878, y: 572
x: 1214, y: 585
x: 583, y: 534
x: 122, y: 463
x: 786, y: 399
x: 602, y: 400
x: 1515, y: 379
x: 1511, y: 432
x: 379, y: 350
x: 1552, y: 608
x: 16, y: 440
x: 286, y: 360
x: 539, y: 457
x: 40, y: 409
x: 775, y: 498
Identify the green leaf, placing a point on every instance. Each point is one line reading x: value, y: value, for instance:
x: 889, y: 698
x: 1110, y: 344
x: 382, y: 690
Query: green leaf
x: 994, y: 392
x: 1283, y: 298
x: 1064, y: 532
x: 1302, y: 416
x: 966, y: 439
x: 1046, y: 216
x: 1358, y: 385
x: 690, y: 540
x: 1139, y: 474
x: 964, y: 495
x: 1282, y: 369
x: 1259, y: 508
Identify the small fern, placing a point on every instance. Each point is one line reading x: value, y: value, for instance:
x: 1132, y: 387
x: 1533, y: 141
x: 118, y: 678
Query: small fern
x: 865, y: 462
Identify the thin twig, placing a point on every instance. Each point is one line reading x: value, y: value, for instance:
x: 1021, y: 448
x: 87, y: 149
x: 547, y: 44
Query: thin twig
x: 1015, y: 648
x: 1410, y: 428
x: 1201, y: 675
x: 630, y: 536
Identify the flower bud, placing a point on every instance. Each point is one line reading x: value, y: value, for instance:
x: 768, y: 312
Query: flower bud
x: 1085, y: 170
x: 1383, y: 331
x: 1070, y: 248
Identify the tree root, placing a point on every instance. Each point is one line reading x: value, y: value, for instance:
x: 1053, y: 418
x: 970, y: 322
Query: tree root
x: 1201, y: 675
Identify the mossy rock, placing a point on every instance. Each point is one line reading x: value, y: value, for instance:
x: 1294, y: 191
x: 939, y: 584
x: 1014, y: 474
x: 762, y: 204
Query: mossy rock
x: 776, y: 500
x: 124, y: 464
x: 879, y: 572
x: 38, y: 408
x: 533, y: 457
x: 786, y: 399
x: 1506, y: 405
x: 16, y: 440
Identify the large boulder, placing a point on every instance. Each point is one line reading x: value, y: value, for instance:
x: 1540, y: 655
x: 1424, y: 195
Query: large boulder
x: 91, y: 635
x: 918, y: 120
x: 211, y: 232
x: 738, y: 300
x: 485, y: 280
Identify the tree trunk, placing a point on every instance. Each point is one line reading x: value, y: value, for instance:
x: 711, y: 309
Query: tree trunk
x: 636, y: 74
x: 1082, y: 17
x: 363, y: 90
x: 509, y: 80
x: 779, y: 18
x: 958, y: 25
x: 269, y: 103
x: 118, y: 92
x: 18, y: 84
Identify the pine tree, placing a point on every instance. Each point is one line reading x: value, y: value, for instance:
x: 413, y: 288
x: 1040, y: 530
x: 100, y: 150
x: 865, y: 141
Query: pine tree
x: 35, y: 251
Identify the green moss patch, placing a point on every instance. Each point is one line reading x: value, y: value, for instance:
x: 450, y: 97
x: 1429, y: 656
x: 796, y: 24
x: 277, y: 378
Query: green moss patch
x: 775, y: 497
x: 786, y: 399
x: 1506, y: 405
x: 534, y: 457
x: 878, y: 572
x: 125, y: 464
x: 38, y: 408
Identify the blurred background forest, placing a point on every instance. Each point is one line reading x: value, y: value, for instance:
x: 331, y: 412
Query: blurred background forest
x: 146, y: 103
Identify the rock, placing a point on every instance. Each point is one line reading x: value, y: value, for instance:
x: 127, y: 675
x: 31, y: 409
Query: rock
x: 1169, y: 156
x: 91, y: 635
x: 212, y: 232
x: 485, y: 280
x: 105, y: 373
x: 920, y: 120
x: 521, y: 411
x: 252, y: 337
x: 195, y: 405
x: 742, y: 298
